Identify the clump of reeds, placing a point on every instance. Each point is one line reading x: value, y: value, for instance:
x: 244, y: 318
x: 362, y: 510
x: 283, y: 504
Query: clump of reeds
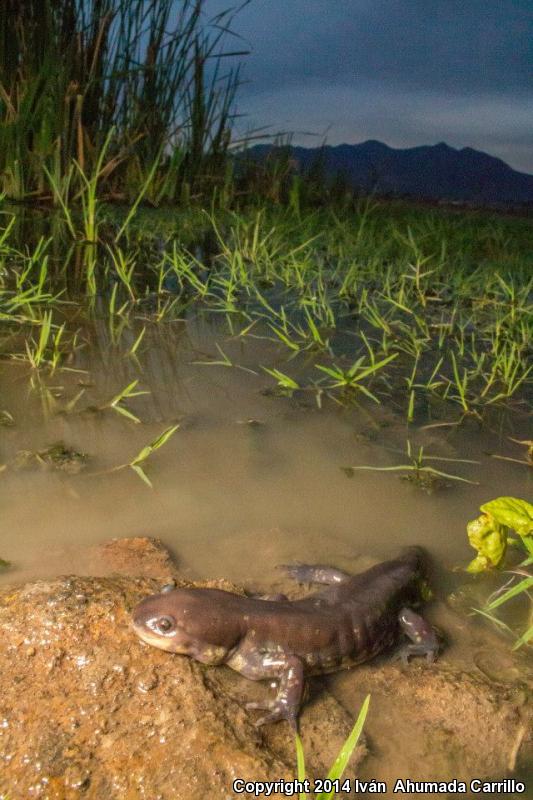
x: 71, y: 71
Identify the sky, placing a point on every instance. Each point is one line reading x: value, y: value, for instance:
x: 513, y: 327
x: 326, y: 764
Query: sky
x: 406, y: 72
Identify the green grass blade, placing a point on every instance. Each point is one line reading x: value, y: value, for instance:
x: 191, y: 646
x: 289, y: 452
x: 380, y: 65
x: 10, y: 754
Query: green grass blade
x: 521, y: 586
x: 492, y: 618
x: 164, y: 437
x: 300, y: 763
x: 347, y: 749
x: 524, y: 639
x: 283, y: 379
x: 448, y: 475
x: 139, y: 197
x: 126, y: 413
x: 155, y: 445
x: 385, y: 469
x: 142, y: 474
x: 375, y: 367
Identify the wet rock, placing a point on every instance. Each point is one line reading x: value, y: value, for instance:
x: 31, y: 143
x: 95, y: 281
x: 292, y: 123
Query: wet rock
x: 93, y: 712
x: 89, y: 711
x: 141, y: 556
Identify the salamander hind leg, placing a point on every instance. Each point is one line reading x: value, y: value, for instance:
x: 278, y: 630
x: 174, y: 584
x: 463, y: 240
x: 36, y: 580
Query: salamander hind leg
x: 276, y: 597
x: 423, y: 638
x: 315, y: 573
x: 286, y: 704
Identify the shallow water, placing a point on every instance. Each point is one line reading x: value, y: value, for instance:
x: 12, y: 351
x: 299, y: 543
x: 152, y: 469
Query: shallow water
x: 247, y: 482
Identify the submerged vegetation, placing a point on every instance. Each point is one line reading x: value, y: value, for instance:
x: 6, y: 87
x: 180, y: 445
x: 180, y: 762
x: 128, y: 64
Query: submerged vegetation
x: 57, y: 456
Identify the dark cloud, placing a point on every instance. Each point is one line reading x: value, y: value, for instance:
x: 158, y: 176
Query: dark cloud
x: 405, y: 71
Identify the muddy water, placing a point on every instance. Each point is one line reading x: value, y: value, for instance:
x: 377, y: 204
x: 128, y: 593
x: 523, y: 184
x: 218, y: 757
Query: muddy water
x: 249, y: 480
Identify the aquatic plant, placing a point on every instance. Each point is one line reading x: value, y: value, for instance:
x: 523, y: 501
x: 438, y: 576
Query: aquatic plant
x: 418, y: 471
x: 285, y: 384
x: 350, y: 381
x: 444, y: 348
x: 117, y: 402
x: 224, y: 361
x: 491, y: 534
x: 137, y: 463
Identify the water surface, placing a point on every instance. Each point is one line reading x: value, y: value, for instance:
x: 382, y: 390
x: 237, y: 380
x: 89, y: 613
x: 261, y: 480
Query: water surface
x: 250, y: 479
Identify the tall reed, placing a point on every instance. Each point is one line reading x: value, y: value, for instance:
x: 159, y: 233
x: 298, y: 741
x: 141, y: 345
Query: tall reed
x: 72, y: 70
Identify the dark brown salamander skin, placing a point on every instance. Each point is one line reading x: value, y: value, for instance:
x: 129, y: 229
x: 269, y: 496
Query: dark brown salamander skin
x: 350, y: 621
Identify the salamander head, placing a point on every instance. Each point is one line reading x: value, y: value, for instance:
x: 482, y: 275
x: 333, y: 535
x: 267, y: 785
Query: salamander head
x: 187, y: 621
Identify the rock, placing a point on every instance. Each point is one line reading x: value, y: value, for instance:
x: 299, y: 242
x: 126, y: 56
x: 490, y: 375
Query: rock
x: 95, y: 713
x: 89, y: 711
x: 141, y: 556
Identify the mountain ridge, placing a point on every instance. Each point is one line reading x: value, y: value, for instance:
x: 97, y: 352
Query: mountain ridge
x: 438, y: 172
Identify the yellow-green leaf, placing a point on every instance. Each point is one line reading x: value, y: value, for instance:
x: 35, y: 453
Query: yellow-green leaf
x: 489, y: 538
x: 513, y: 512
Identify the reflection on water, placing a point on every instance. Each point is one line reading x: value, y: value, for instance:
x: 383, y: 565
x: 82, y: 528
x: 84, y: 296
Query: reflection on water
x: 249, y: 480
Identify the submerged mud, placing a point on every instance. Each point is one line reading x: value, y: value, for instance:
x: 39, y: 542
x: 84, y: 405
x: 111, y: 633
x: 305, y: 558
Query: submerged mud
x: 89, y: 711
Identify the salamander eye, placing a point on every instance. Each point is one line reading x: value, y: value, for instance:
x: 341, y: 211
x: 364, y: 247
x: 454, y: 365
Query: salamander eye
x: 165, y: 624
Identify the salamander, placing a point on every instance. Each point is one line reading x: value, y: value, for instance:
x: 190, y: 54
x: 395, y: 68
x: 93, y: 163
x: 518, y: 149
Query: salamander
x: 351, y: 620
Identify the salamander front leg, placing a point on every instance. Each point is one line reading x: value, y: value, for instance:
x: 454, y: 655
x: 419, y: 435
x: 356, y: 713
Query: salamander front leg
x: 423, y: 638
x: 289, y: 697
x: 315, y: 573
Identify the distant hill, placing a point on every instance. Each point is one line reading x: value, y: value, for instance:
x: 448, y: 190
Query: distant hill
x: 437, y: 172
